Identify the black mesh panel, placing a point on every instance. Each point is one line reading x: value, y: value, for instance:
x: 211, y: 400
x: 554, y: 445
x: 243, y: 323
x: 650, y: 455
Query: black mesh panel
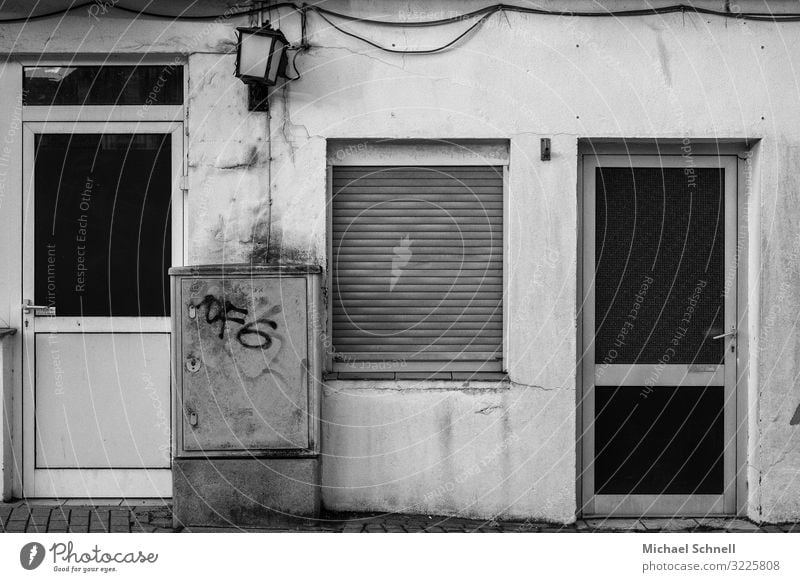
x: 669, y: 442
x: 659, y: 260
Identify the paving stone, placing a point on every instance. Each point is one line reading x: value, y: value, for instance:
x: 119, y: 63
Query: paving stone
x: 48, y: 502
x: 79, y: 519
x: 38, y: 510
x: 20, y: 513
x: 104, y: 502
x: 16, y: 526
x: 155, y: 502
x: 669, y: 525
x: 617, y: 524
x: 521, y: 528
x: 710, y: 523
x: 60, y: 513
x: 79, y: 528
x: 741, y: 525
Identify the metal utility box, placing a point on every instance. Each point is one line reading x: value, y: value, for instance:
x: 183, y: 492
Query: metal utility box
x: 247, y: 370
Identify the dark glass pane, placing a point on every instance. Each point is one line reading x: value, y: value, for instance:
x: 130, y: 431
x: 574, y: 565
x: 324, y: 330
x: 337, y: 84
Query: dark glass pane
x: 102, y: 223
x: 106, y: 85
x: 660, y: 262
x: 669, y: 442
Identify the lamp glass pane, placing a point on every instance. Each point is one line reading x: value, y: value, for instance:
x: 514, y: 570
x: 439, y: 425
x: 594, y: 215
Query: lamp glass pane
x: 275, y: 60
x: 254, y: 55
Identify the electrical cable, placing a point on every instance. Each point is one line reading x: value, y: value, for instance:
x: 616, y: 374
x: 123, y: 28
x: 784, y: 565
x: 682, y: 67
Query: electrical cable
x: 683, y: 8
x: 248, y: 11
x: 121, y: 8
x: 46, y: 14
x: 403, y: 51
x: 297, y: 51
x: 488, y: 10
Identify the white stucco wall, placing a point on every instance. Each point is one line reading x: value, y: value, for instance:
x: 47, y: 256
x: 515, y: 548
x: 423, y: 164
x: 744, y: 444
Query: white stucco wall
x: 520, y: 77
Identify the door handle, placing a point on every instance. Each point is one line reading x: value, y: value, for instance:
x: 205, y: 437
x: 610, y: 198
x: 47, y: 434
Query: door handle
x: 29, y: 307
x: 732, y: 332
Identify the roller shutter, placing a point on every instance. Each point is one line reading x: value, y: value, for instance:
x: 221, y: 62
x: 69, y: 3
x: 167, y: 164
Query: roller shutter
x: 417, y: 268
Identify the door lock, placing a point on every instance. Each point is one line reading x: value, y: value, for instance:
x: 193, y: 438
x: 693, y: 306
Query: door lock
x: 29, y: 307
x: 193, y: 364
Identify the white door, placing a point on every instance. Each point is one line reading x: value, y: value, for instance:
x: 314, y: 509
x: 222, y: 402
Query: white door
x: 659, y: 335
x: 102, y: 224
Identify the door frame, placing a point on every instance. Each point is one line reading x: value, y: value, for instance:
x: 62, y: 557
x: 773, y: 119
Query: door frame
x: 81, y: 482
x: 743, y: 150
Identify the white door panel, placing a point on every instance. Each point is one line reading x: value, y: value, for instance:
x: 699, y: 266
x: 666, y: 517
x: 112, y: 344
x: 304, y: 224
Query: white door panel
x: 95, y: 392
x: 96, y: 379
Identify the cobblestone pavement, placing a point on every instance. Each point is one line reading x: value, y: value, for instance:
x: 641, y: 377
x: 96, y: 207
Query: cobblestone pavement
x: 115, y: 516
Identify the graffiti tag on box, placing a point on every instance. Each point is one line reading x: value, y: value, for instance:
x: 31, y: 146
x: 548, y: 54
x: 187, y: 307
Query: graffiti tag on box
x: 254, y: 334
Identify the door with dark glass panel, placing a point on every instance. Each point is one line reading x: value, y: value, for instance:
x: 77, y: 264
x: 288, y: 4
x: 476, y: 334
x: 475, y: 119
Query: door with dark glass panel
x: 102, y: 225
x: 659, y: 335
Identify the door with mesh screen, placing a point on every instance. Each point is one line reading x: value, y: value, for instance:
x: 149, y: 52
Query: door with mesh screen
x: 659, y: 340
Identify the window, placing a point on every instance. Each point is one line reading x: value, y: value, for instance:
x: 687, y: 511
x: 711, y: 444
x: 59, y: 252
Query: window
x: 103, y: 223
x: 103, y: 85
x: 417, y: 270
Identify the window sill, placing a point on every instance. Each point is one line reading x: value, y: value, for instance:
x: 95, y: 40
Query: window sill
x: 485, y: 381
x: 419, y: 376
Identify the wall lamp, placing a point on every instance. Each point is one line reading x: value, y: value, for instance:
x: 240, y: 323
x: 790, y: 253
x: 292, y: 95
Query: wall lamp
x: 260, y: 60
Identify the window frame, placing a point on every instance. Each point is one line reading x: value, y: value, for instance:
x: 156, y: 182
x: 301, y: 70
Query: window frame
x: 391, y: 152
x: 107, y: 113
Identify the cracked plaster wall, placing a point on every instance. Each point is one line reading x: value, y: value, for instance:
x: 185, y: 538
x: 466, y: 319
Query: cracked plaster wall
x: 520, y: 77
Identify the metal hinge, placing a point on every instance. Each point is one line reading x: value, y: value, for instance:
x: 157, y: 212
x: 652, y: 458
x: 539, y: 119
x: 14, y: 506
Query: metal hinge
x: 185, y: 183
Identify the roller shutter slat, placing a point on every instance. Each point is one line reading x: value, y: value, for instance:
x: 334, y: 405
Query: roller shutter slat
x: 443, y: 318
x: 446, y: 281
x: 451, y: 295
x: 368, y: 239
x: 389, y: 327
x: 417, y: 263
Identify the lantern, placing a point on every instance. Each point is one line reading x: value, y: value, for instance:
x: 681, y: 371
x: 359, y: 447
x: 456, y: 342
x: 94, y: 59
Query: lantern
x: 260, y: 55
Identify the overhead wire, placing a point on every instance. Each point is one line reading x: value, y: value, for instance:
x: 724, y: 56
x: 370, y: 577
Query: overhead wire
x: 487, y: 10
x: 481, y: 14
x: 445, y: 46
